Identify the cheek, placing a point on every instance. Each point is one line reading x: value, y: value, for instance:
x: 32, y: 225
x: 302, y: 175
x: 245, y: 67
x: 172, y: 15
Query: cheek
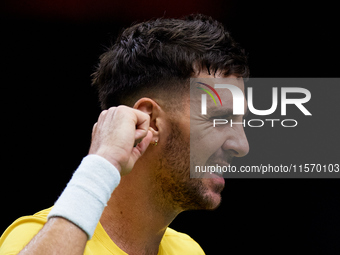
x: 201, y: 149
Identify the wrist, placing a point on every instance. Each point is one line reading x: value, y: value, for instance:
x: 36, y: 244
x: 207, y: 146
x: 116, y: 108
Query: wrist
x: 108, y: 157
x: 83, y: 200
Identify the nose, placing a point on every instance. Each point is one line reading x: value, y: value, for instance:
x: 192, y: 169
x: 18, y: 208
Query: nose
x: 237, y: 143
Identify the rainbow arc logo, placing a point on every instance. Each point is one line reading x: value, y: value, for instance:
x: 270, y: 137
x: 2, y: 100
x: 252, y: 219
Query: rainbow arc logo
x: 209, y: 93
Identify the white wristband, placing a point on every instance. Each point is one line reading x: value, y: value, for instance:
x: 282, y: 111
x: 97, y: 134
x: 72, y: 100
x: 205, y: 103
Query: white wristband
x: 85, y: 196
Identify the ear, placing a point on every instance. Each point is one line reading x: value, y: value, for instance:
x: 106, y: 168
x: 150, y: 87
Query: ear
x: 150, y: 107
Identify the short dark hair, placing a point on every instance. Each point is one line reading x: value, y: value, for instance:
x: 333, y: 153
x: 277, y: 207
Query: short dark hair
x: 160, y: 54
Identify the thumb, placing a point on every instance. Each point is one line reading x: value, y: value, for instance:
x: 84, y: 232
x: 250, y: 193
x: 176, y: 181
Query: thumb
x: 143, y: 145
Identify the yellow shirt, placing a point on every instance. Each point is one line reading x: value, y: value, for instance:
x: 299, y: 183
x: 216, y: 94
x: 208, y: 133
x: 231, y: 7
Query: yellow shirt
x: 17, y: 235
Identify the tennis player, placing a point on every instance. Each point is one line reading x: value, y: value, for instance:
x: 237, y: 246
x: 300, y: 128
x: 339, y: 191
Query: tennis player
x: 135, y: 179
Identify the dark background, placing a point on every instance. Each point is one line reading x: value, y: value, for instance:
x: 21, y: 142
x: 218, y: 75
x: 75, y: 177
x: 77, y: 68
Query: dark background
x: 48, y: 51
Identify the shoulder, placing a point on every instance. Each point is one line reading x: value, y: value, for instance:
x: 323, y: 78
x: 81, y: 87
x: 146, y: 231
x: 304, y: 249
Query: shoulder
x: 21, y: 231
x: 175, y: 242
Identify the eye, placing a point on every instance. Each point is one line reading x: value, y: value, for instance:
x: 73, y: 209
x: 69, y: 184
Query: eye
x: 224, y: 116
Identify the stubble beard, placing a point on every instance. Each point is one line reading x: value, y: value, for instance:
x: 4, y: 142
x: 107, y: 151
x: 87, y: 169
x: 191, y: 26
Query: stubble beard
x: 177, y: 191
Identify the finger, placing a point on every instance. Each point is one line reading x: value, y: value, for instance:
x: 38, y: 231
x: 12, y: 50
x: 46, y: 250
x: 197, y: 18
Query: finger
x: 94, y: 128
x: 142, y: 124
x: 101, y: 117
x: 137, y: 142
x: 103, y: 113
x: 143, y: 145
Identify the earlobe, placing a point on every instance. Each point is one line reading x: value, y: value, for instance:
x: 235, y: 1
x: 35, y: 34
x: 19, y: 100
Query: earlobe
x: 155, y: 132
x: 155, y: 142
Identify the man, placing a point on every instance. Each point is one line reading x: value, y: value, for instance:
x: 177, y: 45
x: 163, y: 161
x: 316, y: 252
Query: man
x: 126, y: 192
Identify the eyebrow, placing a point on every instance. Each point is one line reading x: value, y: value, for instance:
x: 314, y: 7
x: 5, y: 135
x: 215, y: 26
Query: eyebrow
x: 227, y: 112
x: 222, y: 111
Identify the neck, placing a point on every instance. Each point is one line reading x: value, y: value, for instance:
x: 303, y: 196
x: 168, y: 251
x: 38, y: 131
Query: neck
x: 133, y: 218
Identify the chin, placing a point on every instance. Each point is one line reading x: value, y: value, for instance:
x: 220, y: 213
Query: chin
x: 214, y: 188
x: 214, y: 201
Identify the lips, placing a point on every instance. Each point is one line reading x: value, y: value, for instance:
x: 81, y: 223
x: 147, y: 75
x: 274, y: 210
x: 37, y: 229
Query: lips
x: 218, y: 182
x: 218, y: 174
x: 226, y: 164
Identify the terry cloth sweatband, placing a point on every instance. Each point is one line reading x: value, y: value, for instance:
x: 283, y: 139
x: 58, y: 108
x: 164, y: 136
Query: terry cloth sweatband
x: 85, y: 196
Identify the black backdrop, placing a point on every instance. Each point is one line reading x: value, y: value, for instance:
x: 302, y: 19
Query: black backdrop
x: 48, y: 109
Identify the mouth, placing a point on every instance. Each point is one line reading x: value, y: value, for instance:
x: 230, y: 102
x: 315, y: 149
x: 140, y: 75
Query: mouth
x: 219, y: 168
x: 217, y: 174
x: 217, y: 182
